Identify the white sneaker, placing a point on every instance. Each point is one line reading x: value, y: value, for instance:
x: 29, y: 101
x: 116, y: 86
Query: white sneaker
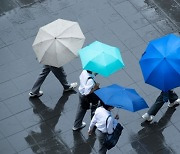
x: 147, y: 117
x: 77, y: 128
x: 72, y: 86
x: 176, y: 102
x: 31, y: 94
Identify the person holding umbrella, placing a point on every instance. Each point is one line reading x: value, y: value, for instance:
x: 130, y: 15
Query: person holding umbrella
x: 161, y: 99
x: 60, y: 75
x: 55, y: 45
x: 99, y: 120
x: 88, y: 99
x: 160, y: 68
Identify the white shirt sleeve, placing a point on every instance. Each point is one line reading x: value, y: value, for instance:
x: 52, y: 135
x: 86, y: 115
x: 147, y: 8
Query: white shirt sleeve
x: 93, y: 122
x: 89, y: 85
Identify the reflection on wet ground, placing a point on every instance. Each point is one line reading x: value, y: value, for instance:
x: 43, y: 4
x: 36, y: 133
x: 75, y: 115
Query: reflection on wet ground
x: 46, y: 137
x: 154, y: 132
x: 44, y: 125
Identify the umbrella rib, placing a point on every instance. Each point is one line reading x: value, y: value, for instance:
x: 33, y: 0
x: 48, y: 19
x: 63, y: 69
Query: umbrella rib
x: 149, y: 78
x: 148, y: 59
x: 46, y: 50
x: 47, y: 33
x: 67, y: 29
x: 45, y: 41
x: 121, y: 97
x: 171, y: 65
x: 152, y: 72
x: 156, y: 49
x: 56, y: 54
x: 70, y: 37
x: 63, y: 44
x: 110, y: 55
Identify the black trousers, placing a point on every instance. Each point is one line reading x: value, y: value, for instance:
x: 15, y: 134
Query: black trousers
x: 85, y: 102
x: 161, y: 99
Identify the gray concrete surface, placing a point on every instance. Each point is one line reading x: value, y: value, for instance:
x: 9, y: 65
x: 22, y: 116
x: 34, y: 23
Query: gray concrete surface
x: 44, y: 125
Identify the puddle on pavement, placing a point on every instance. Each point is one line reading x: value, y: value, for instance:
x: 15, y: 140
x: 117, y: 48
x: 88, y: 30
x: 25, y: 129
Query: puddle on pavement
x: 170, y: 8
x: 24, y: 3
x: 7, y: 5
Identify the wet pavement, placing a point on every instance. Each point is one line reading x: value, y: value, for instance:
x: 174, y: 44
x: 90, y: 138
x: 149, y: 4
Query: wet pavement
x: 44, y: 125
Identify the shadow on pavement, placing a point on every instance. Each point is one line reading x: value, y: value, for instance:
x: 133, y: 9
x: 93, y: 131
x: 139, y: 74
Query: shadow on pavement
x: 151, y: 137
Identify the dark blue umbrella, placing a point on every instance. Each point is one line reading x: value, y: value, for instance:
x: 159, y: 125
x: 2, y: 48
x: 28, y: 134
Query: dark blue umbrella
x: 160, y: 63
x: 121, y: 97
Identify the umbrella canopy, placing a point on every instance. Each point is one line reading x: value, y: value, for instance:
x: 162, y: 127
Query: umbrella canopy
x: 160, y: 63
x: 58, y: 42
x: 101, y: 58
x: 121, y: 97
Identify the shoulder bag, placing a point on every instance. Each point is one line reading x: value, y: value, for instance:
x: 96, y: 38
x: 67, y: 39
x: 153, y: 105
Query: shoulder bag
x: 111, y: 139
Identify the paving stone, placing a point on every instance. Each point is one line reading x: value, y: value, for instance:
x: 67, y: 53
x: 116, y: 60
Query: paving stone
x: 7, y: 90
x: 8, y: 5
x: 105, y: 35
x: 148, y: 33
x: 108, y: 14
x: 26, y: 3
x: 5, y: 147
x: 9, y: 36
x: 6, y: 56
x: 139, y: 4
x: 4, y: 111
x: 125, y: 9
x: 17, y: 103
x: 27, y: 118
x: 171, y: 9
x: 18, y: 142
x: 125, y: 33
x: 44, y: 125
x: 10, y: 126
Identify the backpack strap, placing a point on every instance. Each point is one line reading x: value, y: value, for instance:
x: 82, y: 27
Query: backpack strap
x: 90, y: 78
x: 106, y: 122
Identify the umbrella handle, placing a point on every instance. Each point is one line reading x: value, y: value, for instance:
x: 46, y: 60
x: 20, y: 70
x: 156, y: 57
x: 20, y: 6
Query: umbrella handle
x: 117, y: 113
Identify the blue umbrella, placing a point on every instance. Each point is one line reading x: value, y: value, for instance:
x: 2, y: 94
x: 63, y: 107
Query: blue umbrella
x: 101, y: 58
x: 160, y: 63
x: 121, y: 97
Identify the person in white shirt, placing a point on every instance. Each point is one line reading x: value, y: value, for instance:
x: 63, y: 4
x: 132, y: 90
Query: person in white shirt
x: 99, y: 121
x: 88, y: 99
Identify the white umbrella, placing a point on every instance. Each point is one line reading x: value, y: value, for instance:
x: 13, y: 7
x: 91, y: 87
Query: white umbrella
x: 58, y: 42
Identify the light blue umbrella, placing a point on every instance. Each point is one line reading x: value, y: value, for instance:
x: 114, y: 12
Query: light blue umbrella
x: 101, y: 58
x: 160, y: 63
x: 121, y: 97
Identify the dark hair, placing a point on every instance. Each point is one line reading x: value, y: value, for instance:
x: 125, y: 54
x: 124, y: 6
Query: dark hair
x: 105, y: 106
x: 89, y: 71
